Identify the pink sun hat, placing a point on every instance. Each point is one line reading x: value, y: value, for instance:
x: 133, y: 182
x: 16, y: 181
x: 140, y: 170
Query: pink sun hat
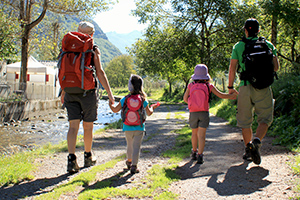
x: 201, y: 72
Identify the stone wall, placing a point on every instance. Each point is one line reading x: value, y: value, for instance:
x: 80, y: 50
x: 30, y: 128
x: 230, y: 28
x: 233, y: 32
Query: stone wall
x: 20, y: 110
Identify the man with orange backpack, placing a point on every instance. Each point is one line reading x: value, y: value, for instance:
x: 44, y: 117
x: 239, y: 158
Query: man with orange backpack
x: 79, y: 65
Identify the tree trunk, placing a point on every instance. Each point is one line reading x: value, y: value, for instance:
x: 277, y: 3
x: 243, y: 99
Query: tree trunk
x: 24, y: 61
x: 275, y: 22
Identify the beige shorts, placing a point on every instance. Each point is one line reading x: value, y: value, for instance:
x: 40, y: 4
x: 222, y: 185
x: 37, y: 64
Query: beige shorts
x: 250, y: 101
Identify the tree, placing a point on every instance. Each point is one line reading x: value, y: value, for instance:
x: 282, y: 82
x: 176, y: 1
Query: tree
x: 7, y: 37
x: 119, y: 70
x: 31, y: 12
x: 287, y: 14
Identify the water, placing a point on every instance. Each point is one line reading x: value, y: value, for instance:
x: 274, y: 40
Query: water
x: 47, y: 127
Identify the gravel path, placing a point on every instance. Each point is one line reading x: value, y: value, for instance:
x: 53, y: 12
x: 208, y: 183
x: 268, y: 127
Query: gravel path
x: 224, y: 175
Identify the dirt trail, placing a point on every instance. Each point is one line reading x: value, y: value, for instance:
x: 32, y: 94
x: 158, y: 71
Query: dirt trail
x: 224, y: 174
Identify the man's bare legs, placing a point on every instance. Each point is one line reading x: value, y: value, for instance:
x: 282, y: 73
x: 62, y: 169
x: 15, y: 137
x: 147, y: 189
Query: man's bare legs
x: 72, y: 135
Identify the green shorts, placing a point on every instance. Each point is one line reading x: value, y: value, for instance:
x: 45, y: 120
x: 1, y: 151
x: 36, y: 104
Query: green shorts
x: 250, y: 101
x: 82, y: 107
x: 199, y: 119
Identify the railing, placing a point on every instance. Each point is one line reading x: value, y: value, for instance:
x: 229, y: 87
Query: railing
x: 34, y: 91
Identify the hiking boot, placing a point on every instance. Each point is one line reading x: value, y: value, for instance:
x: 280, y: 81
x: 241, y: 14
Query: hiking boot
x: 247, y: 155
x: 194, y: 155
x: 255, y: 151
x: 72, y: 166
x: 200, y: 159
x: 128, y: 164
x: 134, y: 169
x: 89, y: 161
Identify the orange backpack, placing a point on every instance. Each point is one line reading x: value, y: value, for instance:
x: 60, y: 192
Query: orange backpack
x: 76, y: 74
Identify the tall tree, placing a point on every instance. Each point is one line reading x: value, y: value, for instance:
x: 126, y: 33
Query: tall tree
x: 31, y: 12
x: 8, y: 29
x: 119, y: 69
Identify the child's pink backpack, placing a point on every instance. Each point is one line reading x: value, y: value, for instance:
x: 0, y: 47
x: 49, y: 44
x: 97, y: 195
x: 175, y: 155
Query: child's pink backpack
x: 133, y: 112
x: 199, y: 97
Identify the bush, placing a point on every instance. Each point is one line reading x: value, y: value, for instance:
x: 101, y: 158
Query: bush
x: 287, y: 111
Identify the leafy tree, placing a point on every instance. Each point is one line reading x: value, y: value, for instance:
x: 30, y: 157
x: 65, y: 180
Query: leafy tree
x: 119, y: 70
x: 8, y: 30
x: 31, y: 12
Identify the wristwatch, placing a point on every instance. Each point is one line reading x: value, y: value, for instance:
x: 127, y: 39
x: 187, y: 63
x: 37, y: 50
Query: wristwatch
x: 230, y: 87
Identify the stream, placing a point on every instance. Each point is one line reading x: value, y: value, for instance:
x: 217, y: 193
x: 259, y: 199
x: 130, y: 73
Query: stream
x: 46, y: 127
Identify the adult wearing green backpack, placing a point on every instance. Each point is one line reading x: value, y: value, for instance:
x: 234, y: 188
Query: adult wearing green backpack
x: 250, y: 98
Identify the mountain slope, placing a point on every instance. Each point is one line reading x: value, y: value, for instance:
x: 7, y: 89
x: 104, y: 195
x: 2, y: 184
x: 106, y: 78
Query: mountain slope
x: 44, y: 32
x: 121, y: 41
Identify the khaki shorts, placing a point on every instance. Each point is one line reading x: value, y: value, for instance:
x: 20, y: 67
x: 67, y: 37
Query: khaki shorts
x: 250, y: 101
x: 199, y: 119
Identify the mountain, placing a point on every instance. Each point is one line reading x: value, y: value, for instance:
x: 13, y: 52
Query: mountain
x: 123, y: 40
x: 68, y: 23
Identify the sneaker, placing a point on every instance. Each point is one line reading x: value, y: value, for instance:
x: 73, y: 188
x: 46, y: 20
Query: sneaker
x: 89, y: 161
x: 72, y: 166
x: 255, y: 151
x: 134, y: 169
x: 128, y: 164
x: 247, y: 155
x: 194, y: 155
x: 200, y: 159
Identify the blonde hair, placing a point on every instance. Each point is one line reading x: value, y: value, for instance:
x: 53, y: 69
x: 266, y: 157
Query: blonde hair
x: 86, y: 27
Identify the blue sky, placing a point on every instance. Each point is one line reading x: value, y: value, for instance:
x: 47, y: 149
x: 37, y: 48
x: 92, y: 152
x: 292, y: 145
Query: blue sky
x: 119, y: 19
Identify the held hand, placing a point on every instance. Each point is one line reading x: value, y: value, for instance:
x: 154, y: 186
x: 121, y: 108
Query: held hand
x: 111, y: 99
x: 233, y: 94
x: 231, y: 91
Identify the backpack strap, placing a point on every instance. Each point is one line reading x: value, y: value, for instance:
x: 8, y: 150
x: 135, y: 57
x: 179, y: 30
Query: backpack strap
x: 124, y: 107
x: 209, y: 93
x: 141, y: 110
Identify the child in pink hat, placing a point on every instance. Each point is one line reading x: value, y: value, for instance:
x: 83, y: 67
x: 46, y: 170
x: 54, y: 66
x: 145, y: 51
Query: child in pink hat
x: 197, y: 96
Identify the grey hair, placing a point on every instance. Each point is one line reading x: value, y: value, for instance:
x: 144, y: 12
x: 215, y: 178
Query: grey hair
x: 86, y: 27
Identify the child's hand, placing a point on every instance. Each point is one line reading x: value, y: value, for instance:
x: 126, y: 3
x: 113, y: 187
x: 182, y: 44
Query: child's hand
x: 110, y: 103
x: 154, y: 106
x: 233, y: 95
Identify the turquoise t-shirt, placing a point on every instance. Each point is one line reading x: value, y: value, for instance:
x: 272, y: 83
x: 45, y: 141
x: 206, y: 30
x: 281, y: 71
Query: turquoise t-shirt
x: 134, y: 128
x: 238, y: 49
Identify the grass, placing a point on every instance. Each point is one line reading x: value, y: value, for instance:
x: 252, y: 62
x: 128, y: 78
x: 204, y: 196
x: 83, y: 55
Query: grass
x: 19, y: 166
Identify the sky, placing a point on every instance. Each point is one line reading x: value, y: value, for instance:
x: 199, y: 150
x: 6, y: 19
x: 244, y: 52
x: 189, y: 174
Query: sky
x: 119, y: 19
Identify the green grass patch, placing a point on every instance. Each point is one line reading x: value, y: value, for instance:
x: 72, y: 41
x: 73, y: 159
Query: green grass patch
x: 157, y: 180
x: 225, y: 109
x: 114, y: 125
x: 182, y: 147
x: 82, y: 179
x: 19, y: 166
x: 179, y: 116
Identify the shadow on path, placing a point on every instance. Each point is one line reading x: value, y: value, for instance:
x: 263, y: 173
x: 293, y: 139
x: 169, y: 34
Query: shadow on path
x: 240, y: 180
x: 29, y: 189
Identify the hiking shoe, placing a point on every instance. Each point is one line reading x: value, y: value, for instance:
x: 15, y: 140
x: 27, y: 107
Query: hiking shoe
x: 128, y: 164
x: 200, y: 159
x: 72, y: 166
x: 247, y: 155
x: 89, y: 161
x: 255, y: 151
x: 134, y: 169
x: 194, y: 155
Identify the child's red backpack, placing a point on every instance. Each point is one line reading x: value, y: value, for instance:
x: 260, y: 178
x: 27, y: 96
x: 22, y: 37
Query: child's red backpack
x: 199, y: 97
x: 133, y: 112
x: 76, y: 74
